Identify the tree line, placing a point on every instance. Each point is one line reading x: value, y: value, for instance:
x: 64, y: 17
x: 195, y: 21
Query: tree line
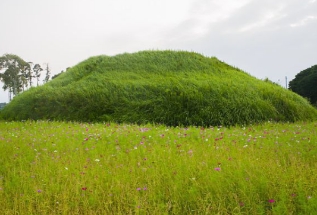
x: 18, y: 75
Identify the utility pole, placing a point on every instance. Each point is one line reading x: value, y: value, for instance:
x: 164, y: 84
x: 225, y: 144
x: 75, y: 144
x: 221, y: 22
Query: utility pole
x: 286, y: 82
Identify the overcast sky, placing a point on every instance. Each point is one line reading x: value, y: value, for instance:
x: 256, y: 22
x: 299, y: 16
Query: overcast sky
x: 266, y: 38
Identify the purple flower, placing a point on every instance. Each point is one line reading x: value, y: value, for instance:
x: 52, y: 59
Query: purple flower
x: 39, y: 191
x: 217, y: 169
x: 138, y: 189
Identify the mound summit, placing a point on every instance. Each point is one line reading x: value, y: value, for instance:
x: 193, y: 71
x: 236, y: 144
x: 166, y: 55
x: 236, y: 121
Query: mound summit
x: 165, y: 87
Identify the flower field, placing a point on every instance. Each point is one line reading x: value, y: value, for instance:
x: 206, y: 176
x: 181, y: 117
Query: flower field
x: 81, y: 168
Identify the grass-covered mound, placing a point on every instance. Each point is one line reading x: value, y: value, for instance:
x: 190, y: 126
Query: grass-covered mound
x: 169, y: 87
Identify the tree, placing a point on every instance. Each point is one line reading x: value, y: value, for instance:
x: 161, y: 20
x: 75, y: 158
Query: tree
x: 48, y: 74
x: 30, y: 74
x: 305, y: 84
x: 14, y: 77
x: 37, y: 71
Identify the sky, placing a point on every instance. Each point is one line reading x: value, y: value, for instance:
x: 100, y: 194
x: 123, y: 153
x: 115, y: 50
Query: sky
x: 268, y: 39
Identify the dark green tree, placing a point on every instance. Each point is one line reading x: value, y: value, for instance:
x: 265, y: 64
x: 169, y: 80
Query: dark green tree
x: 305, y: 84
x: 14, y: 77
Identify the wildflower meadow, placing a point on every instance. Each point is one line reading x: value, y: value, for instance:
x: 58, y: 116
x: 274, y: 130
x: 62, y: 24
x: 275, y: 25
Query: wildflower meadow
x: 106, y: 168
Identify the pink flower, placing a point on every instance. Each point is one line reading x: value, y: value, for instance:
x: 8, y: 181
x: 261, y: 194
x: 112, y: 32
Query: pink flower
x: 217, y: 169
x: 190, y: 152
x: 271, y: 201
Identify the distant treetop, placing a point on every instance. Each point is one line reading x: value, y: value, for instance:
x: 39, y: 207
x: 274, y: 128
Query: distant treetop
x: 305, y: 84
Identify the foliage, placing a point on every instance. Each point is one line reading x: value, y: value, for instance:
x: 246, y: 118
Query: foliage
x: 37, y: 70
x: 71, y: 168
x: 56, y: 75
x: 269, y: 81
x: 305, y: 84
x: 47, y: 74
x: 16, y: 73
x: 173, y: 88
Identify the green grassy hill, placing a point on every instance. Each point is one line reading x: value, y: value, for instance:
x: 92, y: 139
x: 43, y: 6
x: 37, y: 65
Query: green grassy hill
x: 168, y: 87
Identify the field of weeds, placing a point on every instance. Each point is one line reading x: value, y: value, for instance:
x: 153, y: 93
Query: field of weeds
x: 75, y: 168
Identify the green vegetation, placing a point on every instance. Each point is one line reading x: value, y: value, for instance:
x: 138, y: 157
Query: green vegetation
x: 72, y: 168
x: 305, y: 84
x: 165, y: 87
x: 18, y: 74
x: 133, y: 164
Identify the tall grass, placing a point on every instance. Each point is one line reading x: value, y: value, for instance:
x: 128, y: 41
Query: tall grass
x: 73, y: 168
x: 173, y: 88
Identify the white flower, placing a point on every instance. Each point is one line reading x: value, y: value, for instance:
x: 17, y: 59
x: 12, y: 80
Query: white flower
x: 66, y: 168
x: 97, y: 160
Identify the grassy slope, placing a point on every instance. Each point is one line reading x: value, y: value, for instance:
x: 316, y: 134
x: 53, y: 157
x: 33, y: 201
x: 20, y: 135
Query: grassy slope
x: 161, y: 87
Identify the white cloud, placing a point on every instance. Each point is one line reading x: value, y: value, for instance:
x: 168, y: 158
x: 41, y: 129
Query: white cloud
x: 267, y: 18
x: 304, y: 21
x: 206, y: 12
